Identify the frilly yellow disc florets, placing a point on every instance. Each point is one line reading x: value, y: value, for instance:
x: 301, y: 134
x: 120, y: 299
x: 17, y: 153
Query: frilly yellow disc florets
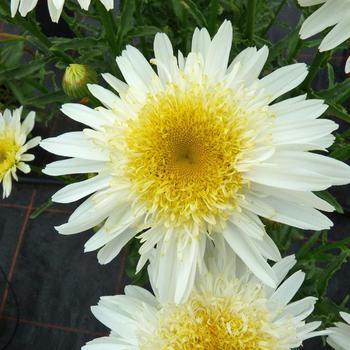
x: 182, y: 151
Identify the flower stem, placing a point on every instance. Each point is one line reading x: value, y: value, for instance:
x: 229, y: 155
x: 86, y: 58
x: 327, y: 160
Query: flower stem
x: 251, y: 10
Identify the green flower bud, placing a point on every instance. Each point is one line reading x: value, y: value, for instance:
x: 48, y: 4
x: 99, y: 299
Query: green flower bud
x: 75, y: 79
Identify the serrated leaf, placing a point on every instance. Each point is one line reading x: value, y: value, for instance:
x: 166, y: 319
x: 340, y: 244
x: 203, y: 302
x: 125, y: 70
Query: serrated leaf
x: 333, y: 267
x: 22, y: 70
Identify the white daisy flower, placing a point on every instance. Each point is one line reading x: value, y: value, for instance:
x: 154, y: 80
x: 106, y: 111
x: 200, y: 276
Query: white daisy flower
x: 333, y: 13
x: 13, y: 146
x: 195, y: 151
x: 55, y: 7
x: 227, y: 309
x: 339, y: 336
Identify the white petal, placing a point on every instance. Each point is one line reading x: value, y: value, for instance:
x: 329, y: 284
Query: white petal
x: 283, y: 80
x: 73, y: 166
x: 243, y: 247
x: 79, y: 190
x: 74, y: 144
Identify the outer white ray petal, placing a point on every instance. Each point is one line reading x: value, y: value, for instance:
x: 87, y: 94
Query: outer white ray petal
x: 79, y: 190
x: 347, y: 66
x: 283, y: 80
x: 108, y: 4
x: 219, y: 51
x: 246, y: 250
x: 26, y: 6
x: 108, y: 98
x: 287, y: 290
x: 119, y: 323
x: 252, y: 65
x: 201, y: 41
x: 287, y: 212
x: 164, y: 55
x: 115, y: 83
x: 116, y: 224
x: 326, y: 16
x: 282, y: 267
x: 28, y: 123
x: 74, y: 144
x: 302, y: 131
x: 336, y: 36
x: 307, y: 199
x: 85, y: 115
x: 310, y: 2
x: 186, y: 268
x: 90, y: 213
x: 139, y: 65
x: 113, y: 248
x: 14, y: 7
x: 73, y: 166
x: 55, y: 9
x: 84, y: 4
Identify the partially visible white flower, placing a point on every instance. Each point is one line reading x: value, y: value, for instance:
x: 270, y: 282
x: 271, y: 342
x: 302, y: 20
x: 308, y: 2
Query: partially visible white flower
x: 55, y: 7
x: 339, y: 337
x: 229, y: 308
x: 334, y: 13
x: 13, y: 146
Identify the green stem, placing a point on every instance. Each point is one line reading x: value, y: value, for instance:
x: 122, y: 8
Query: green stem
x: 314, y: 68
x: 251, y: 9
x: 273, y: 20
x: 107, y: 21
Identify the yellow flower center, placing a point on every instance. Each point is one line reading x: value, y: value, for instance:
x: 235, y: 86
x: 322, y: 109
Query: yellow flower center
x: 8, y: 151
x: 182, y: 151
x: 206, y: 322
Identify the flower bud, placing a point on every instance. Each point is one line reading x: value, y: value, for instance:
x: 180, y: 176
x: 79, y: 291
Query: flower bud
x: 75, y: 79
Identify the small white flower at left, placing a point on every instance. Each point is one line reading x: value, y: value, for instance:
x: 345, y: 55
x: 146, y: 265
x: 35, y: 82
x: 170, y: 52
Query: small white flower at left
x: 55, y: 7
x: 13, y: 146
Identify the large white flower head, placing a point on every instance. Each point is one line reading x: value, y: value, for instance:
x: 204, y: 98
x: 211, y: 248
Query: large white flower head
x: 13, y: 146
x: 55, y: 7
x: 339, y: 336
x: 228, y: 309
x: 333, y: 13
x: 195, y: 151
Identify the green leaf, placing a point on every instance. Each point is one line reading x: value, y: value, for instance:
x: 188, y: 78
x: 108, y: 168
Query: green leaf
x: 42, y: 100
x: 333, y: 267
x: 305, y: 249
x: 75, y: 44
x: 195, y: 12
x: 341, y: 152
x: 22, y: 70
x: 126, y: 21
x: 142, y: 31
x: 337, y: 94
